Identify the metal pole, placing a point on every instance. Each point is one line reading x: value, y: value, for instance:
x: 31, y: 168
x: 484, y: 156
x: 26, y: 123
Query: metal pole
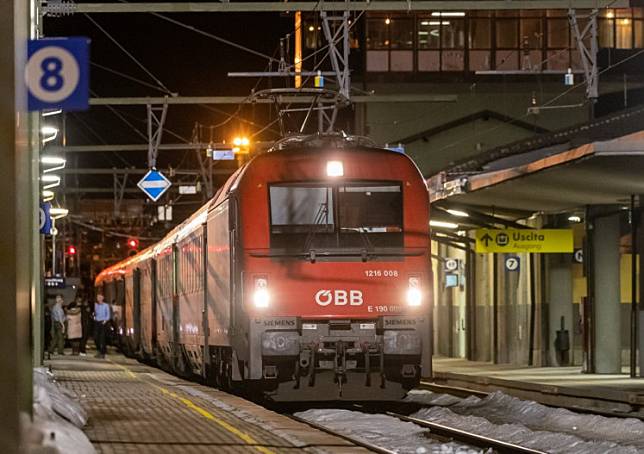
x: 533, y: 307
x: 495, y: 308
x: 634, y: 311
x: 640, y: 340
x: 53, y: 247
x: 297, y: 60
x: 470, y: 301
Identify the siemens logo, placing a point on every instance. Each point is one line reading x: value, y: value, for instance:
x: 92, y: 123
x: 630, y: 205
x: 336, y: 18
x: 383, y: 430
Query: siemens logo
x: 339, y: 297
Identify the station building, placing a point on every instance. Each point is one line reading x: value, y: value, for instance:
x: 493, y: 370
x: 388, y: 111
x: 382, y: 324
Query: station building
x: 547, y: 157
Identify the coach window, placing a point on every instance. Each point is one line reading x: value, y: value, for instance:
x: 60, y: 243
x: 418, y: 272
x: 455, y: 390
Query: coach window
x: 531, y: 35
x: 390, y: 44
x: 557, y: 41
x: 452, y: 30
x: 480, y: 44
x: 507, y: 41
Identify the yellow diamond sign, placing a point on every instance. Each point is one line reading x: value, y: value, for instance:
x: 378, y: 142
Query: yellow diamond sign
x: 515, y: 240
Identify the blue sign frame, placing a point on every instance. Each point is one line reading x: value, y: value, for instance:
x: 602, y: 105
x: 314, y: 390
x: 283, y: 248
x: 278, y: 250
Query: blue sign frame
x: 154, y: 184
x: 45, y: 218
x: 57, y: 73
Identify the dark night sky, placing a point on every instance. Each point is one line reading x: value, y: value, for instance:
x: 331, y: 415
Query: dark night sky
x: 186, y: 62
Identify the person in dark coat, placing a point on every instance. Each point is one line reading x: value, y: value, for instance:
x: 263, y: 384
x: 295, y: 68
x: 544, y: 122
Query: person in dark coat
x: 87, y: 317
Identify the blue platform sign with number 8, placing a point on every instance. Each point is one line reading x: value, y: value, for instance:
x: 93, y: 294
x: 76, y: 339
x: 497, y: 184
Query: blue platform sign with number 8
x: 57, y: 74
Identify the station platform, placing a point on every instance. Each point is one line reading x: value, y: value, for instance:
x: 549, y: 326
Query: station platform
x: 559, y: 386
x: 134, y: 408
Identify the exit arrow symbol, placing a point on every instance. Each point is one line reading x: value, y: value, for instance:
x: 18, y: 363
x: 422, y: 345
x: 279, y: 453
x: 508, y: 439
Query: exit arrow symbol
x: 486, y: 239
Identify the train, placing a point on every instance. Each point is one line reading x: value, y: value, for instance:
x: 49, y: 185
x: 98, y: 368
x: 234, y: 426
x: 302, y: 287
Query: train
x: 307, y: 277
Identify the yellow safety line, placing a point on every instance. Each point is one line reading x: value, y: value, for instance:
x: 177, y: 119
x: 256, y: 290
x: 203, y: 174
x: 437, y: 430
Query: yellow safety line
x: 202, y: 411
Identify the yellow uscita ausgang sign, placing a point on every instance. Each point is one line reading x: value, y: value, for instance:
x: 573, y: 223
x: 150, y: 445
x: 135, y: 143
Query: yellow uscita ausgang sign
x: 512, y: 240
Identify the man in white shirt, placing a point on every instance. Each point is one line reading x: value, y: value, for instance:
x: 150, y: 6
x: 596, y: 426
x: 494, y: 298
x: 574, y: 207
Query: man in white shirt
x: 102, y: 316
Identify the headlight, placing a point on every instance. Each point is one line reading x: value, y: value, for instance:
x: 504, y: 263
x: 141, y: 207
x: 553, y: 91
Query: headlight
x: 414, y: 293
x: 334, y: 169
x: 261, y: 297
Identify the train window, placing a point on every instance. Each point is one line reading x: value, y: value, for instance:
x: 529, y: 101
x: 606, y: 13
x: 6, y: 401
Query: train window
x: 301, y: 209
x: 370, y: 209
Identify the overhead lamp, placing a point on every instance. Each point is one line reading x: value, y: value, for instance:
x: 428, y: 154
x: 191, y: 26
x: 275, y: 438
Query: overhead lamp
x: 241, y: 145
x: 57, y: 212
x: 574, y: 218
x: 47, y: 195
x: 56, y: 161
x: 442, y: 224
x: 448, y: 14
x: 49, y: 113
x: 458, y: 213
x: 387, y: 21
x: 49, y: 133
x: 51, y: 180
x: 241, y: 141
x: 53, y: 160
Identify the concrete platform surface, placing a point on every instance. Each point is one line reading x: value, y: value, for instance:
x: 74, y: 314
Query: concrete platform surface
x: 134, y: 408
x: 565, y: 386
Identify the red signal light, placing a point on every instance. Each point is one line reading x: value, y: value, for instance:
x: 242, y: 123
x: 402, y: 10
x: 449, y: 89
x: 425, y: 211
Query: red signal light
x: 71, y: 250
x: 133, y: 243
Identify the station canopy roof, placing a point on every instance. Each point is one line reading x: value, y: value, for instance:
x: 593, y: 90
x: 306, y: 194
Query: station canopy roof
x: 561, y: 176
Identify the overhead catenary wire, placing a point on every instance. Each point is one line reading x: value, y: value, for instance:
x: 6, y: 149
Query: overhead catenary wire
x: 128, y: 77
x: 129, y: 54
x: 100, y: 139
x: 123, y: 119
x: 96, y: 228
x: 215, y: 37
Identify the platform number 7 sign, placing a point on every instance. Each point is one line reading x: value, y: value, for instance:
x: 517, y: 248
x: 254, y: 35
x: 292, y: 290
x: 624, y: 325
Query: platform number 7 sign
x: 512, y: 263
x: 57, y: 73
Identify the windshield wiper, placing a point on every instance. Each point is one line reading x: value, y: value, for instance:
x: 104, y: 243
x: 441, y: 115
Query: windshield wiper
x: 368, y: 250
x: 321, y: 214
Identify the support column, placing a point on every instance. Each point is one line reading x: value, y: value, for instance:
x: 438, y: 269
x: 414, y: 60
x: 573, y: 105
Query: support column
x: 560, y: 304
x: 16, y: 206
x: 640, y: 241
x: 607, y: 326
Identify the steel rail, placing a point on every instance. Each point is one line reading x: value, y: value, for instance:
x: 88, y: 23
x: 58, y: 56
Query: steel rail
x: 469, y: 438
x: 465, y: 392
x: 438, y: 432
x: 365, y: 444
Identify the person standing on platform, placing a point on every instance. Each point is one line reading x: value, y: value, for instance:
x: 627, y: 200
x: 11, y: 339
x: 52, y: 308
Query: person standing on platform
x: 74, y: 327
x: 86, y: 321
x: 57, y: 327
x: 102, y: 317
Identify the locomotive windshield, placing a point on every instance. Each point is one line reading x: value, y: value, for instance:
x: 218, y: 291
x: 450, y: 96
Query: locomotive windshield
x: 356, y: 215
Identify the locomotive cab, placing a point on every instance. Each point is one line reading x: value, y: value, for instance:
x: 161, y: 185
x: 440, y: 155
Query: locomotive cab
x: 336, y: 274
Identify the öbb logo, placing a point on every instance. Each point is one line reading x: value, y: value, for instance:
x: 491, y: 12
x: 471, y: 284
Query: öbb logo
x: 339, y: 297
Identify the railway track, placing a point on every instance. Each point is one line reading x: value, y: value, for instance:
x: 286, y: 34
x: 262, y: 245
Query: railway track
x: 439, y: 432
x: 465, y: 392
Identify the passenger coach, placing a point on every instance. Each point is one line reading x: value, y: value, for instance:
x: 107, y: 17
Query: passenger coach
x: 307, y: 276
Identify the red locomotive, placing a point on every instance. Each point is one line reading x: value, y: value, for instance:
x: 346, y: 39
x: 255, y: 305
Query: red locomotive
x: 307, y: 276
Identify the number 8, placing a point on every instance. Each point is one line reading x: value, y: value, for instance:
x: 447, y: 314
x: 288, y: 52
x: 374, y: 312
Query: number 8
x: 51, y: 79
